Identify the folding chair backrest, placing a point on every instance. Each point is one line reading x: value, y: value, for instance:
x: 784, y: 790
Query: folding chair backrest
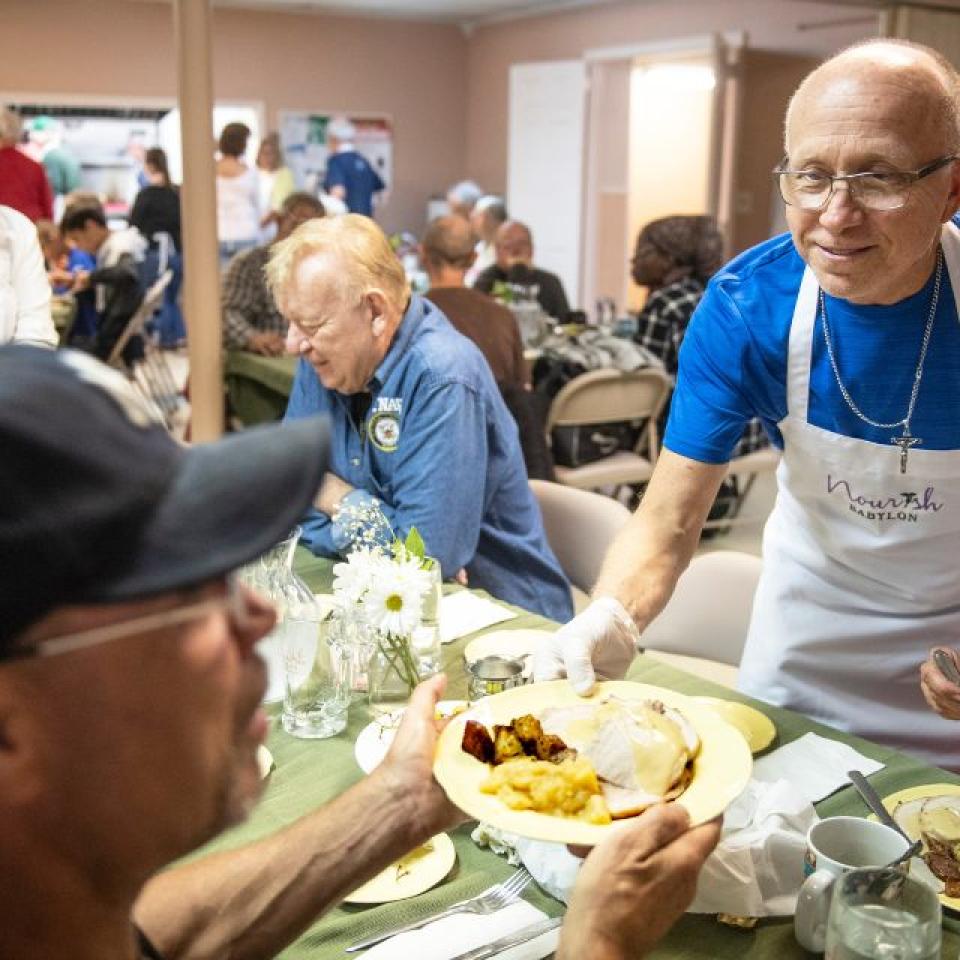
x: 152, y: 301
x: 613, y: 396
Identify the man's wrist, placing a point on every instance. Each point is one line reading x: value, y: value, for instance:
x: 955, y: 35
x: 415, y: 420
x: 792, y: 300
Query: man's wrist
x: 621, y: 614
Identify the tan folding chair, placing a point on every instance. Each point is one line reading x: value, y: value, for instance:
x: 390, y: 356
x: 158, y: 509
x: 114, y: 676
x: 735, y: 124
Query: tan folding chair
x: 745, y: 471
x: 612, y: 396
x: 704, y: 626
x: 580, y: 526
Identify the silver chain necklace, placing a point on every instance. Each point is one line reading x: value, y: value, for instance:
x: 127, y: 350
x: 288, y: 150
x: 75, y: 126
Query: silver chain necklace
x: 905, y: 441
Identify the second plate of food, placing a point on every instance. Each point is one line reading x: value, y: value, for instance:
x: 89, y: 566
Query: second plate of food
x: 631, y: 734
x: 934, y: 807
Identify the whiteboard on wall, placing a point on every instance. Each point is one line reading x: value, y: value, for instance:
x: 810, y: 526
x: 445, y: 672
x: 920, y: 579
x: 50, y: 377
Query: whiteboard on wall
x: 545, y: 163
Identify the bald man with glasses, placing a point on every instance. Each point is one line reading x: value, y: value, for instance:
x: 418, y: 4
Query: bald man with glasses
x: 842, y: 337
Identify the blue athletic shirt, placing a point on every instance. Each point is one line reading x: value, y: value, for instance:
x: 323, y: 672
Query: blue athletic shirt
x: 733, y: 361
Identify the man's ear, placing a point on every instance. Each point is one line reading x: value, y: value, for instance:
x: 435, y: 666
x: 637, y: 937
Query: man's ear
x: 380, y: 306
x: 953, y: 197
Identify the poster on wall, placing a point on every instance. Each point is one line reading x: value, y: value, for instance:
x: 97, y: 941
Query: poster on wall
x: 303, y: 138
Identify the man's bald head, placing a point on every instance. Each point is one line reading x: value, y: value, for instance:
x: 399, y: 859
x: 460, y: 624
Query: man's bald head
x: 878, y: 68
x: 449, y: 241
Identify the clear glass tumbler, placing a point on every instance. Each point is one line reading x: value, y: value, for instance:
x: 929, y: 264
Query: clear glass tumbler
x: 425, y: 641
x: 882, y: 914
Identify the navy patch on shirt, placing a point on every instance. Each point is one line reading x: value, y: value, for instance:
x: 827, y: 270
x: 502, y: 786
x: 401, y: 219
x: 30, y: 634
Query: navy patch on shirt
x: 384, y: 430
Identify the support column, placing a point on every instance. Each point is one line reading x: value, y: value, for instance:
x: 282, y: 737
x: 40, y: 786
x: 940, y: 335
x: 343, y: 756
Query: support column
x: 201, y: 266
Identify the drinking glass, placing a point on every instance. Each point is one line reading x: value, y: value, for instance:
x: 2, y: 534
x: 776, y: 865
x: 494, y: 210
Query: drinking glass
x: 881, y: 914
x: 425, y: 640
x: 316, y: 677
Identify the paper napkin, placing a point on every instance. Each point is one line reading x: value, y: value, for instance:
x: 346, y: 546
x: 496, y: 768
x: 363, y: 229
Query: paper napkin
x: 454, y: 935
x: 814, y: 765
x: 757, y: 868
x: 464, y: 612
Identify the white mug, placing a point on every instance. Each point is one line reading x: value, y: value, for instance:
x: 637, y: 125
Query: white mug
x: 836, y: 846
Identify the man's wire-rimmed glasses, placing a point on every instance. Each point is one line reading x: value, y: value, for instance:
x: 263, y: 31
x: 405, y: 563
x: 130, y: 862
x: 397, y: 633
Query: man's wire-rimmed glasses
x: 233, y: 601
x: 872, y: 189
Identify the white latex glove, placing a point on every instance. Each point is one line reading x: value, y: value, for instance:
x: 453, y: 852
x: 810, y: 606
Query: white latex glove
x: 601, y: 641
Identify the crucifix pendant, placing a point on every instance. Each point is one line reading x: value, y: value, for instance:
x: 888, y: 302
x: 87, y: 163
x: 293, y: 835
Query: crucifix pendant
x: 905, y: 442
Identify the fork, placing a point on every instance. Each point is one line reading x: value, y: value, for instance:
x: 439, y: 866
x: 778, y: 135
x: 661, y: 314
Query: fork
x: 490, y: 901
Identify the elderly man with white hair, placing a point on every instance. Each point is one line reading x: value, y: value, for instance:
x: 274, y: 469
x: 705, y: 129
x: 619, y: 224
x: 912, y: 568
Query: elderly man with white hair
x: 842, y: 337
x: 418, y: 423
x: 350, y: 176
x: 462, y: 198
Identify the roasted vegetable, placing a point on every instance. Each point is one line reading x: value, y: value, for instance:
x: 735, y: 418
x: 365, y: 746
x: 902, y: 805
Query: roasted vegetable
x: 506, y: 743
x: 522, y: 737
x: 548, y: 745
x: 477, y: 741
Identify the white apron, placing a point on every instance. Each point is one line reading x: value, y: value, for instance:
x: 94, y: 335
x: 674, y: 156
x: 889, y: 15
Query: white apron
x: 860, y: 573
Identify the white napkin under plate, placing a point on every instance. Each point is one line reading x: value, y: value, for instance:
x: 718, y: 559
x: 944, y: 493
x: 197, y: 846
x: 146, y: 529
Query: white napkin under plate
x: 464, y: 612
x: 815, y: 765
x: 755, y: 871
x: 454, y: 935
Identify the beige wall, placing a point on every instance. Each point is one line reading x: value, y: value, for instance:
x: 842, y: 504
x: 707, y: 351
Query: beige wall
x: 769, y: 80
x: 411, y: 71
x: 770, y: 24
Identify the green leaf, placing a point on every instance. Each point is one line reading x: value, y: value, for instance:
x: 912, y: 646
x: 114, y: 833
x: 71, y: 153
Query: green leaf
x: 415, y: 545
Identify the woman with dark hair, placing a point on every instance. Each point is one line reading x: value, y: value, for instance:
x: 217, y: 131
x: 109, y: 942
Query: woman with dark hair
x: 156, y: 214
x: 238, y: 206
x: 674, y: 259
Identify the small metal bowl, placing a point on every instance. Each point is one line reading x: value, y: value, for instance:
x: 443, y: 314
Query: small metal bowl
x: 493, y: 674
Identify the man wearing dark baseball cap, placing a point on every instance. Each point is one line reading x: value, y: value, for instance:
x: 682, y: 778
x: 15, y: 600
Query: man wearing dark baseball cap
x: 130, y: 701
x: 130, y: 691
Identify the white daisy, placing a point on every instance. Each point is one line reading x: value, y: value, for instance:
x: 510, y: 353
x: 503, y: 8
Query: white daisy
x: 393, y: 602
x: 352, y: 579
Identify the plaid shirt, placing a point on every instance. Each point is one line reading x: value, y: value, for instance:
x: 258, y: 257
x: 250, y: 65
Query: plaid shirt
x: 248, y: 307
x: 660, y: 328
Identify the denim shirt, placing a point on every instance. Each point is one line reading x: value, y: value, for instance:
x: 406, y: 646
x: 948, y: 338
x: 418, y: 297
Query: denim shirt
x: 440, y: 451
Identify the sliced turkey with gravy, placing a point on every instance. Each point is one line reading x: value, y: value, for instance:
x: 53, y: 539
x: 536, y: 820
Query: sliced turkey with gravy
x: 640, y: 750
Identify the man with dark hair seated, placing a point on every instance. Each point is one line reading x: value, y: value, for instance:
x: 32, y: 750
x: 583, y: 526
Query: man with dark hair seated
x: 251, y: 320
x: 115, y: 279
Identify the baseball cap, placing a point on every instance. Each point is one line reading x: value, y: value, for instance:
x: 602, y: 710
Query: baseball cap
x: 99, y: 504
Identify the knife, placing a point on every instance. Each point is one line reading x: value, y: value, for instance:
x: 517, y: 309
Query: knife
x: 523, y: 935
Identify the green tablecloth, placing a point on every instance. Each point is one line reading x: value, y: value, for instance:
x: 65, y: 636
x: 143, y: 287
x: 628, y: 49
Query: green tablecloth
x: 258, y: 387
x: 309, y: 773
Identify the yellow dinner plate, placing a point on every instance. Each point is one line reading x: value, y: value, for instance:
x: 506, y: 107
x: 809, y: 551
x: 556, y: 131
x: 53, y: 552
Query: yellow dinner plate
x: 418, y: 871
x: 513, y: 644
x: 720, y: 771
x: 918, y: 793
x: 265, y: 761
x: 756, y: 727
x: 375, y: 738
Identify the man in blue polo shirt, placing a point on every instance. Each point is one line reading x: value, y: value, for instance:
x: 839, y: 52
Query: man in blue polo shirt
x: 349, y: 176
x: 843, y: 338
x: 417, y: 421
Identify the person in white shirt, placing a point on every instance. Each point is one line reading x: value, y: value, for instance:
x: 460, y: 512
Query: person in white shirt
x: 488, y: 213
x: 24, y: 288
x: 238, y: 194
